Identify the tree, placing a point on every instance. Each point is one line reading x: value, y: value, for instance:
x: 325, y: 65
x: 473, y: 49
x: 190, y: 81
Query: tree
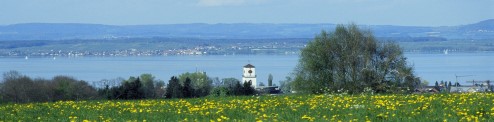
x: 173, y: 89
x: 489, y: 86
x: 247, y: 89
x: 65, y: 88
x: 201, y: 83
x: 261, y: 84
x: 144, y: 86
x: 231, y: 85
x: 148, y: 85
x: 69, y: 88
x: 270, y: 80
x: 220, y: 91
x: 424, y: 83
x: 131, y: 89
x: 238, y: 89
x: 16, y: 87
x: 229, y: 82
x: 85, y: 91
x: 187, y: 88
x: 285, y: 85
x: 350, y: 59
x: 135, y: 90
x: 43, y: 91
x: 216, y: 82
x: 11, y: 75
x: 436, y: 86
x: 160, y: 89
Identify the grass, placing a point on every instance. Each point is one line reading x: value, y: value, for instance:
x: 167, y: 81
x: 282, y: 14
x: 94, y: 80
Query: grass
x: 394, y: 107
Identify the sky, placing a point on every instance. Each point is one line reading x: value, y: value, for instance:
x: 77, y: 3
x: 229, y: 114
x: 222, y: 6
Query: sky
x: 139, y: 12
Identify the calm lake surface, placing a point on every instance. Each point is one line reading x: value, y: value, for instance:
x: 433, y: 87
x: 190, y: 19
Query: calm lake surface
x: 430, y: 67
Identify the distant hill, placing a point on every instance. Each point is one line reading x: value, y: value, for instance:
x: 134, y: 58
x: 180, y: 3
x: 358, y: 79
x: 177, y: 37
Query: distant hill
x: 63, y: 31
x: 482, y: 25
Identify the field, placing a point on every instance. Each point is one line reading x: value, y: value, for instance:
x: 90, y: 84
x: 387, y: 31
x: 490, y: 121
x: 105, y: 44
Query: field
x: 428, y: 107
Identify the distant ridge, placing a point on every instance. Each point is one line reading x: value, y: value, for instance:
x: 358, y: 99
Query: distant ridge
x: 62, y: 31
x: 484, y: 25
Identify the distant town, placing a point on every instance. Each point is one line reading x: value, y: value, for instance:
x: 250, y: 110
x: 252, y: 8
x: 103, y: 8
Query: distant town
x: 158, y: 47
x: 201, y: 49
x: 209, y: 50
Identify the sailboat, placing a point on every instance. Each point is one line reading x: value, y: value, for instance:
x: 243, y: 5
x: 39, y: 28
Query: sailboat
x: 26, y: 58
x: 446, y: 51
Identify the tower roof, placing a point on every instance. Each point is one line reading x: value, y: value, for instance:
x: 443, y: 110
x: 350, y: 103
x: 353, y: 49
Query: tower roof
x: 249, y: 66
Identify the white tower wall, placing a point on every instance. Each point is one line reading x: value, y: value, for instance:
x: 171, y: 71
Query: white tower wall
x: 249, y: 74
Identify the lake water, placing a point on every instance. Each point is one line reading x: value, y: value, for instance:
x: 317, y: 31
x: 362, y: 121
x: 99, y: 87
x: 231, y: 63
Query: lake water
x: 431, y: 67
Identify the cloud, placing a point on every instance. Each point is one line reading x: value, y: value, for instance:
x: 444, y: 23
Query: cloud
x: 227, y: 2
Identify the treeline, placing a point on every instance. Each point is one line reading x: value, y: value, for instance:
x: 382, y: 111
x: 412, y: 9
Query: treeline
x: 16, y: 87
x: 233, y: 87
x: 188, y: 88
x: 141, y: 87
x: 19, y: 88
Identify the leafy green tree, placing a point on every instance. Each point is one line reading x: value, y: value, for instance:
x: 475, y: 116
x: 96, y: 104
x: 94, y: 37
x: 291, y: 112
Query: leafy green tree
x: 201, y: 83
x: 220, y: 91
x: 160, y: 89
x: 424, y: 83
x: 232, y: 86
x: 141, y: 87
x: 285, y: 85
x: 349, y: 60
x: 228, y: 87
x: 229, y: 82
x: 131, y: 78
x: 68, y: 88
x: 148, y: 82
x: 216, y: 82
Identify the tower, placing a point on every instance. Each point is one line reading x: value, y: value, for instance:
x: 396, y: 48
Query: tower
x: 249, y: 75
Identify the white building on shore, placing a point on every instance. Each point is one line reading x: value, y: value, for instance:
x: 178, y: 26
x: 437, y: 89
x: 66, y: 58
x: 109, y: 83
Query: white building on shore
x: 249, y: 75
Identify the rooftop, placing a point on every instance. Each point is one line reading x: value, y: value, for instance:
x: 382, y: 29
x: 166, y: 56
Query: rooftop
x: 249, y: 66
